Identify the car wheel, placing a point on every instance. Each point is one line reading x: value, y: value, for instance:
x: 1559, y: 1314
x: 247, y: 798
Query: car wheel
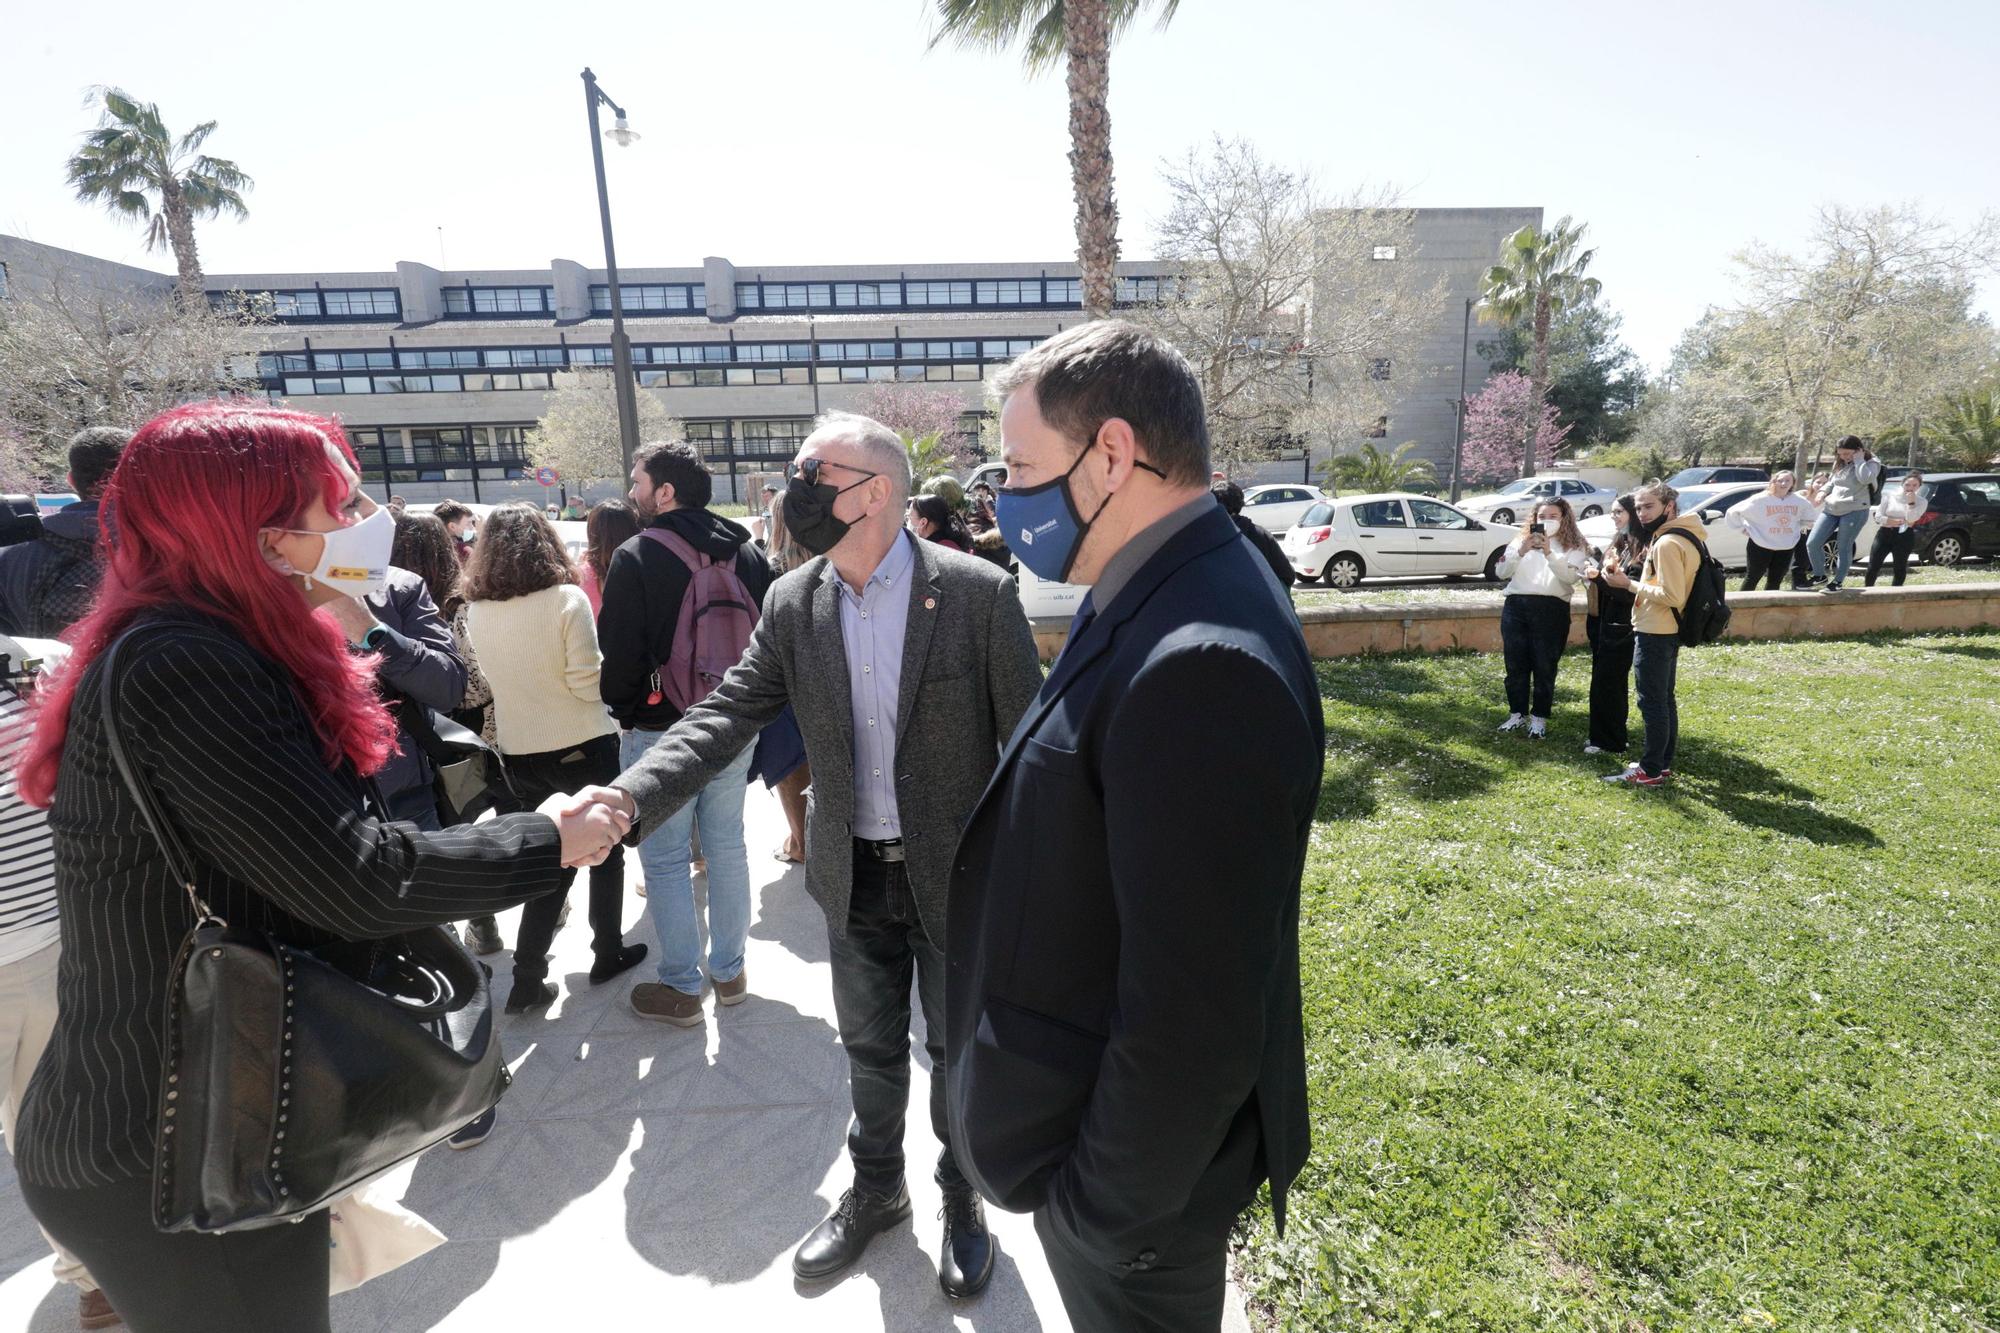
x: 1593, y: 511
x: 1947, y: 550
x: 1493, y: 565
x: 1344, y: 570
x: 1503, y: 516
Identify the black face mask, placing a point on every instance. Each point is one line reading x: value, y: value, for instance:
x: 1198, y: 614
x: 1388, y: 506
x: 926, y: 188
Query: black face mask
x: 809, y: 516
x: 1647, y: 529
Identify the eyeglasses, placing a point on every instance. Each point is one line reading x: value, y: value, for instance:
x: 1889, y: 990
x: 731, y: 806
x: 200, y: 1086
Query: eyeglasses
x: 809, y: 470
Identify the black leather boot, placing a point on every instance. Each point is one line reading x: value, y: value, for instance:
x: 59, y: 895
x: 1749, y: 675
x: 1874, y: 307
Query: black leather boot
x: 839, y: 1241
x: 965, y: 1260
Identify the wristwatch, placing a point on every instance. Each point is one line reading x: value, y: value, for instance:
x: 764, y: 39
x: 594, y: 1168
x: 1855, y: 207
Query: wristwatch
x: 376, y: 637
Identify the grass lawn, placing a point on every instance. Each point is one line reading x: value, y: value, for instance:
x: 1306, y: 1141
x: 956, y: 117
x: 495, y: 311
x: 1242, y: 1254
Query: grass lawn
x: 1723, y: 1055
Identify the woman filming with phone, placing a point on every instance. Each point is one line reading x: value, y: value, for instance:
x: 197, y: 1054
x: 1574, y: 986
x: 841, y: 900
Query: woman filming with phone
x: 1543, y: 567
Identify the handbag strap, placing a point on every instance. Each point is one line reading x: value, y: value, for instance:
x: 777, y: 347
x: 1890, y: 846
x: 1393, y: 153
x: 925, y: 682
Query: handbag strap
x: 163, y: 830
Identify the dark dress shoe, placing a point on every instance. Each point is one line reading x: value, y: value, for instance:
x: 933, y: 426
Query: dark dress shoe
x: 839, y: 1241
x: 608, y: 966
x: 528, y: 995
x: 965, y: 1260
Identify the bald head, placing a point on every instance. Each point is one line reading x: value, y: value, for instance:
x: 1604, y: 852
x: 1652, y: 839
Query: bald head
x: 864, y: 443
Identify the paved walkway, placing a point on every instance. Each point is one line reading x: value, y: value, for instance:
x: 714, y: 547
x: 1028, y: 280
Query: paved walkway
x: 643, y: 1175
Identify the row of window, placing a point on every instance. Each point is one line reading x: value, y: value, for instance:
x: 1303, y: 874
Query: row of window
x: 317, y: 303
x: 650, y: 296
x: 499, y: 300
x: 272, y: 365
x: 716, y: 377
x: 921, y: 293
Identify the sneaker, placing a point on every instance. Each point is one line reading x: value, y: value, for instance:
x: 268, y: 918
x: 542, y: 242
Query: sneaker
x: 528, y: 995
x: 1638, y: 777
x: 475, y: 1133
x: 93, y: 1310
x: 1593, y: 749
x: 1538, y: 728
x: 1514, y: 722
x: 735, y: 990
x: 655, y: 1000
x: 482, y: 934
x: 612, y: 965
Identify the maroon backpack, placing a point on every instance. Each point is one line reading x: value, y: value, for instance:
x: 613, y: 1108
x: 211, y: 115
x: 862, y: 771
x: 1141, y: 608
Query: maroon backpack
x: 717, y: 617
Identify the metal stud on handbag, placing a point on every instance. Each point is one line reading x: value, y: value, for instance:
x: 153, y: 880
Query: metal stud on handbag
x: 294, y: 1075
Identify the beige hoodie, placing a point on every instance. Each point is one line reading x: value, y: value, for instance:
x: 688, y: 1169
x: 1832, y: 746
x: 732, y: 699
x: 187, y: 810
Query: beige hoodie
x: 1668, y: 577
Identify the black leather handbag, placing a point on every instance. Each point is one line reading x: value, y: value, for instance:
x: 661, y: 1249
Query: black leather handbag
x: 294, y: 1075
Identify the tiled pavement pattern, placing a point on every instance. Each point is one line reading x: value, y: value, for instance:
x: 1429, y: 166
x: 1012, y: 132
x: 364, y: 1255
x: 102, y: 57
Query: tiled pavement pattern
x: 645, y: 1176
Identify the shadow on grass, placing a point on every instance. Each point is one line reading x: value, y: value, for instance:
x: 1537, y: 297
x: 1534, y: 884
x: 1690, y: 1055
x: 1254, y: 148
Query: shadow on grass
x: 1717, y: 774
x: 1984, y: 651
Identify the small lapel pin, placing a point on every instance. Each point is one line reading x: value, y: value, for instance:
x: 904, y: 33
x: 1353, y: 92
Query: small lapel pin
x: 930, y: 603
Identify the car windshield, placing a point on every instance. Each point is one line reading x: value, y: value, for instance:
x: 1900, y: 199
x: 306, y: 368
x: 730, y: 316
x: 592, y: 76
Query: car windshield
x: 1516, y: 487
x: 1318, y: 514
x: 1690, y: 476
x: 1697, y: 498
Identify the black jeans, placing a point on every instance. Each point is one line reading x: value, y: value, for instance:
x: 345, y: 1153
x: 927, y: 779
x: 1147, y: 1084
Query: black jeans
x: 1762, y: 563
x: 1610, y: 683
x: 537, y: 777
x: 1656, y: 661
x: 871, y: 999
x: 270, y: 1279
x: 1896, y: 545
x: 1533, y: 633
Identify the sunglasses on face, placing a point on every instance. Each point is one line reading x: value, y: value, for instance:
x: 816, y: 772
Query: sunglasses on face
x: 809, y: 470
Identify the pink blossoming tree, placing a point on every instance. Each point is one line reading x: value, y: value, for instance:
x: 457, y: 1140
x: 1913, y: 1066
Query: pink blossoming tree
x: 1496, y: 422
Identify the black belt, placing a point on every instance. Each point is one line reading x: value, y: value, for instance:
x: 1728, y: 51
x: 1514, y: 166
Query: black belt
x: 888, y: 850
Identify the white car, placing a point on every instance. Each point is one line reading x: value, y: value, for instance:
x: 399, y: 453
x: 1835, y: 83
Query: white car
x: 1279, y: 508
x: 1355, y: 537
x: 1515, y: 502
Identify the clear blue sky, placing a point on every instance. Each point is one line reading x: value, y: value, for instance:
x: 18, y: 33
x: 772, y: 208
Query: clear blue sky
x: 803, y: 131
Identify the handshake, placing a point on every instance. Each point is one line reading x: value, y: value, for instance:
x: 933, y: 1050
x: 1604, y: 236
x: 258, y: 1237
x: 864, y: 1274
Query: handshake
x: 591, y: 821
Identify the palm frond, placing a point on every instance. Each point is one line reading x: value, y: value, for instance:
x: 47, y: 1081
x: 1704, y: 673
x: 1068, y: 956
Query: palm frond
x: 192, y: 141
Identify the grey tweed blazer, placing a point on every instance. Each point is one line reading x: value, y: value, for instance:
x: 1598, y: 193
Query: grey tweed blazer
x: 969, y: 673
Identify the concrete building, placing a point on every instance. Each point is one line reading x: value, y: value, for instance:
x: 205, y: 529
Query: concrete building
x: 438, y: 375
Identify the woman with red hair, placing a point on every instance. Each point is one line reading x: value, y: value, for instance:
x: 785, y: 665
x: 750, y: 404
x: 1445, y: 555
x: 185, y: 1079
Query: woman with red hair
x: 233, y: 534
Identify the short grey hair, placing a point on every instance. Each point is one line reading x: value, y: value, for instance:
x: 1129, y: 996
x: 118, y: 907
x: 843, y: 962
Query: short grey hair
x: 882, y: 449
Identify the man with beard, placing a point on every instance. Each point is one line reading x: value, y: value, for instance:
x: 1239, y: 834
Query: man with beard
x: 638, y: 631
x: 908, y: 666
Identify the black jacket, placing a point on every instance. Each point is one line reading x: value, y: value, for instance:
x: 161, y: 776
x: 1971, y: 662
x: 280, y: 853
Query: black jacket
x: 1125, y: 1049
x: 285, y: 844
x: 420, y: 662
x: 642, y: 604
x: 47, y: 585
x: 1267, y: 546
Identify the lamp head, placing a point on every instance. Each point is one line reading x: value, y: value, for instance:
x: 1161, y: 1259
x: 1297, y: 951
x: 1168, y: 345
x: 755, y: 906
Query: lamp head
x: 622, y: 133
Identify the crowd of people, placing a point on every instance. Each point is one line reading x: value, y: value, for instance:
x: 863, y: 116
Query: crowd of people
x: 289, y: 683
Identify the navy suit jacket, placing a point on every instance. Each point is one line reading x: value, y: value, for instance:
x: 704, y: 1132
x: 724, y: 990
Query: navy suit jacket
x: 1125, y: 1049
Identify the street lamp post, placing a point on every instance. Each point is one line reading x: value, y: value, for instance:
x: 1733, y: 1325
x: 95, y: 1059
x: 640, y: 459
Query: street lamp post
x: 1458, y: 428
x: 621, y: 346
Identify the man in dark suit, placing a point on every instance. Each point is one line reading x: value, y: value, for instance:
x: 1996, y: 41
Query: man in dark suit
x: 1124, y: 1048
x: 907, y: 666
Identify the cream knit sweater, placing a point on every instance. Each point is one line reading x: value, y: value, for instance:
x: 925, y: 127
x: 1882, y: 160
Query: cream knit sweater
x: 539, y: 653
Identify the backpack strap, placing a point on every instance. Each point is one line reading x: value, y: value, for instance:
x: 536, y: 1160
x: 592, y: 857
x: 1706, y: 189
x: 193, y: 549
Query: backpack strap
x: 682, y: 548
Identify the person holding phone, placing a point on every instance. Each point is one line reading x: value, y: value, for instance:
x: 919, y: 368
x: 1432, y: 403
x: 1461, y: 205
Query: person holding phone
x: 1896, y: 521
x: 1608, y: 626
x: 1543, y: 568
x: 1843, y: 509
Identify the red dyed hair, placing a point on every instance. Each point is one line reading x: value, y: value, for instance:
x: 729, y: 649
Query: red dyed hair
x: 180, y: 522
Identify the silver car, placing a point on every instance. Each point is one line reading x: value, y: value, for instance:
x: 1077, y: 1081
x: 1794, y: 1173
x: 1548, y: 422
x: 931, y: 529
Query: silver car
x: 1515, y: 502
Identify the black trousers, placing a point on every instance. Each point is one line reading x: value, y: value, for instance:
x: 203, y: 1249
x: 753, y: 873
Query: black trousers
x: 1610, y: 683
x: 537, y: 777
x: 872, y: 966
x: 1533, y: 633
x: 270, y: 1280
x: 1762, y: 563
x: 1181, y: 1292
x: 1896, y: 545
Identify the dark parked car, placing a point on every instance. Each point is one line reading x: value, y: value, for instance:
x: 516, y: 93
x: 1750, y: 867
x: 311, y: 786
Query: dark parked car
x: 1717, y: 476
x: 1964, y: 517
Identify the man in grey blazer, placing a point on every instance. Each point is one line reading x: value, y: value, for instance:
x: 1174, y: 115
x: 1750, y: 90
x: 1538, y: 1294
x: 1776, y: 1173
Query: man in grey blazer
x: 908, y: 666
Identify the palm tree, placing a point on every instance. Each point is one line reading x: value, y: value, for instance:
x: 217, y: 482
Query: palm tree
x: 1079, y: 32
x: 1965, y: 433
x: 133, y: 165
x: 1372, y: 472
x: 1539, y: 273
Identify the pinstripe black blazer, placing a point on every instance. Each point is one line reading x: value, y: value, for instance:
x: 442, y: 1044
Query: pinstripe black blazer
x: 285, y: 844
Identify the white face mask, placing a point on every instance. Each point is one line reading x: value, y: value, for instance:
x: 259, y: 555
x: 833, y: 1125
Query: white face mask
x: 354, y: 559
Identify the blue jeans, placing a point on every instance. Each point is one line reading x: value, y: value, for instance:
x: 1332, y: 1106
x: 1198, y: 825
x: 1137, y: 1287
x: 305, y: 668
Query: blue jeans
x: 1655, y: 658
x: 1847, y: 527
x: 669, y: 890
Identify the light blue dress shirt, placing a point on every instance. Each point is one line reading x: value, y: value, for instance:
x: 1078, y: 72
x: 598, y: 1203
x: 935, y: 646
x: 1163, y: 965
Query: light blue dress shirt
x: 871, y: 627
